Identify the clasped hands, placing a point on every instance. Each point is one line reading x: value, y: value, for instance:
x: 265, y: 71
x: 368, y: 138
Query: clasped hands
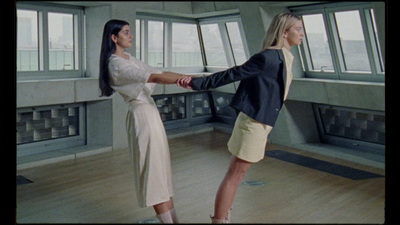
x: 185, y: 82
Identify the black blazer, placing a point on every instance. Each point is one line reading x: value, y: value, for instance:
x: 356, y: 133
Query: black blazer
x: 262, y: 87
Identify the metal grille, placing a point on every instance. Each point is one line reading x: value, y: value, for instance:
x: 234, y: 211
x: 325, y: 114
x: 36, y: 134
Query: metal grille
x: 200, y: 105
x: 353, y: 124
x: 172, y: 107
x: 221, y: 104
x: 40, y: 124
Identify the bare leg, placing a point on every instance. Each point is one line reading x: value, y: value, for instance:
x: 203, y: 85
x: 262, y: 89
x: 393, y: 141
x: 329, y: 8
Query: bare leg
x: 165, y: 212
x: 227, y: 189
x: 164, y: 207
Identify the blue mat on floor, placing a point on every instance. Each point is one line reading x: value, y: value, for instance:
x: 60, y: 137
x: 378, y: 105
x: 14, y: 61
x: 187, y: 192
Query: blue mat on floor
x: 22, y: 180
x: 320, y: 165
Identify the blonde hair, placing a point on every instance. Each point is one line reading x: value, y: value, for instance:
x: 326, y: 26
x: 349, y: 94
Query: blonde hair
x: 274, y: 36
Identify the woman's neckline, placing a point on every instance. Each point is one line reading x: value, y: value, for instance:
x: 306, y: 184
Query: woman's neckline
x: 127, y: 57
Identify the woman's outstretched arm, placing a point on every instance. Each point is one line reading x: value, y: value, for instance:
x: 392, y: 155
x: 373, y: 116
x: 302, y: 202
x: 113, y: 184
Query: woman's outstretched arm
x: 164, y: 77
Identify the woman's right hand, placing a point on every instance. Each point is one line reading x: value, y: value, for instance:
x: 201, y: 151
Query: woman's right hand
x: 185, y: 82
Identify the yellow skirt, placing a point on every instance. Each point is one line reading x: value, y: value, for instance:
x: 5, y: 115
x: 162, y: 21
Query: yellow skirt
x: 248, y: 139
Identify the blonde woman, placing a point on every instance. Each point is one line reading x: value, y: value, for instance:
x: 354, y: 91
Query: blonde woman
x: 265, y: 80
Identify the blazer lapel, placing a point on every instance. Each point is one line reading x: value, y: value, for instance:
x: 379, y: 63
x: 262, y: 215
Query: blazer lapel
x: 282, y: 58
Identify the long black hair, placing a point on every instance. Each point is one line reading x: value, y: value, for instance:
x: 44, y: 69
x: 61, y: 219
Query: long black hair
x: 107, y: 49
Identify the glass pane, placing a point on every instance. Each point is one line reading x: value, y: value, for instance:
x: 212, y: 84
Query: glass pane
x: 236, y: 42
x: 27, y: 40
x: 317, y: 40
x: 352, y: 41
x: 382, y: 67
x: 185, y: 45
x: 213, y: 45
x: 61, y: 41
x: 137, y: 40
x: 156, y: 44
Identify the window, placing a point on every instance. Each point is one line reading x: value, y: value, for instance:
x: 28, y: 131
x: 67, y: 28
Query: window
x: 223, y: 41
x: 213, y: 46
x: 188, y: 45
x: 49, y: 41
x: 156, y: 43
x: 352, y: 41
x: 171, y: 43
x: 185, y: 45
x: 27, y: 40
x: 61, y: 41
x: 341, y: 42
x: 317, y: 43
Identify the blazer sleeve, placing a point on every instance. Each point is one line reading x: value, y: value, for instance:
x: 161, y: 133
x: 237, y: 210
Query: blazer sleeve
x: 255, y: 66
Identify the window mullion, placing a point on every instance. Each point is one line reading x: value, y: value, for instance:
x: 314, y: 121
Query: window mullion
x: 226, y: 44
x: 202, y: 49
x: 243, y: 37
x: 45, y: 40
x: 307, y: 55
x: 145, y: 40
x: 40, y: 41
x: 78, y: 43
x: 82, y: 44
x: 168, y: 45
x: 334, y: 43
x: 368, y: 32
x: 143, y: 31
x: 305, y: 52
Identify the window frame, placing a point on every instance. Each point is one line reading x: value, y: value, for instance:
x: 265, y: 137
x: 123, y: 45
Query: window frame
x: 228, y: 50
x: 44, y: 71
x: 225, y: 46
x: 144, y: 17
x: 327, y: 11
x: 168, y: 21
x: 200, y: 44
x: 306, y: 55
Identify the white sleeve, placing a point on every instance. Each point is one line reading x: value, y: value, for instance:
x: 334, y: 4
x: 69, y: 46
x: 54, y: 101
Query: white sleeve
x: 129, y: 77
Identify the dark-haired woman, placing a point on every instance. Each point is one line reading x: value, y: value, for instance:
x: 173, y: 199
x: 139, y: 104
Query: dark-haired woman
x: 134, y: 80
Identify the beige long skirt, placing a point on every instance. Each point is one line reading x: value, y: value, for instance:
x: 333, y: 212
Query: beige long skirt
x: 150, y: 154
x: 248, y: 139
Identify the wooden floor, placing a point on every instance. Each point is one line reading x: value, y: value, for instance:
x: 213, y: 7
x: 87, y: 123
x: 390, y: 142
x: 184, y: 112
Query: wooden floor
x: 98, y: 189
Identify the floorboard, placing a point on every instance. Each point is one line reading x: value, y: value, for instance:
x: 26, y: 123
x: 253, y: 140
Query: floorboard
x: 99, y: 188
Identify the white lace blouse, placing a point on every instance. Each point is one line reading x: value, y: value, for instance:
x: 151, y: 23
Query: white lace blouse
x: 129, y: 78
